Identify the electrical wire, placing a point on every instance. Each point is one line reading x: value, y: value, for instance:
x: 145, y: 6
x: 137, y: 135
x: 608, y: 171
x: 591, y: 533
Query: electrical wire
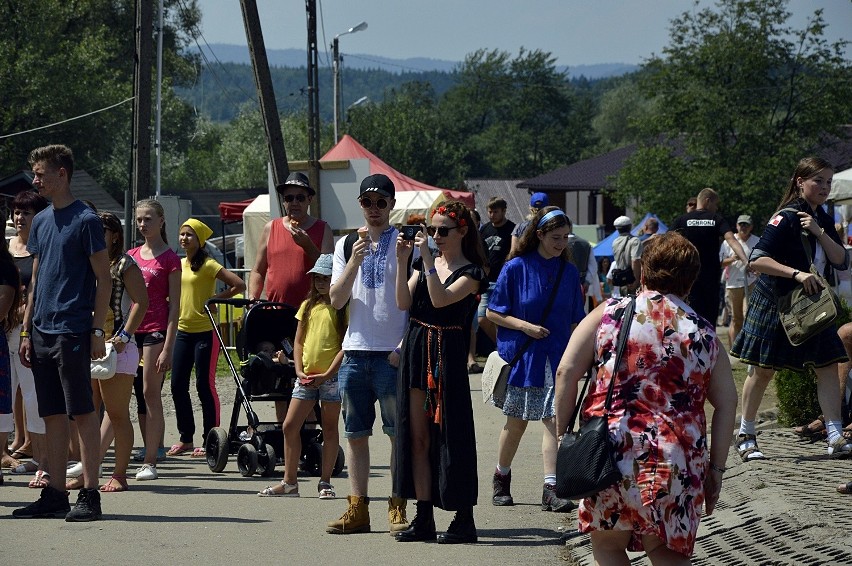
x: 87, y: 114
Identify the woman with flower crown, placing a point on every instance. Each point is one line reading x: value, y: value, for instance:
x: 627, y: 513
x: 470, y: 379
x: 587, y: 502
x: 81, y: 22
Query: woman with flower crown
x: 435, y: 446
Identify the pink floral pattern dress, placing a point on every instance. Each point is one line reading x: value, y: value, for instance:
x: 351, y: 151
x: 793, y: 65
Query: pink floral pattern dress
x: 657, y: 421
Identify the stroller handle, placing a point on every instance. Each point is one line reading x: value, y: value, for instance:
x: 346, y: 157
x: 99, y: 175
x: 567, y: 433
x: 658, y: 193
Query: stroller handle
x: 244, y: 302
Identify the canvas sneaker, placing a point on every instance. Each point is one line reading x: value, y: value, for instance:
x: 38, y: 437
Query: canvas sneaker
x: 147, y: 472
x: 326, y: 490
x: 51, y: 503
x: 87, y: 508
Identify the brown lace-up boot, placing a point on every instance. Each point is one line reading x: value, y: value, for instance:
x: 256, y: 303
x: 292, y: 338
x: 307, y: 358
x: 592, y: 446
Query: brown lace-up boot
x: 356, y: 519
x: 396, y: 514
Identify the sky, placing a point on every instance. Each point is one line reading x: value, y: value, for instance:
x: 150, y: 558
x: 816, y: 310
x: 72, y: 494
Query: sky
x: 576, y: 32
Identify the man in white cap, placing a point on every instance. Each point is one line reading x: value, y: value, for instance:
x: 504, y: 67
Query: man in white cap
x: 704, y: 227
x: 627, y: 253
x: 739, y: 281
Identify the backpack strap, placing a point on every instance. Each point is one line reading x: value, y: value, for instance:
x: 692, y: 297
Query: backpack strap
x: 347, y: 245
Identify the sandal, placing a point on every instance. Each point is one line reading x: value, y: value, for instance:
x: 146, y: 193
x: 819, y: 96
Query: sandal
x: 109, y: 487
x: 286, y: 490
x: 198, y: 453
x: 840, y: 448
x: 7, y: 461
x: 178, y: 449
x: 21, y: 455
x: 28, y: 467
x: 747, y: 448
x: 845, y: 489
x: 815, y: 430
x: 74, y: 483
x: 40, y: 480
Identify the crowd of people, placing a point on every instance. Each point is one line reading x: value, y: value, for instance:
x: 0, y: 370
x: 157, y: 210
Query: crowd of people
x: 390, y: 318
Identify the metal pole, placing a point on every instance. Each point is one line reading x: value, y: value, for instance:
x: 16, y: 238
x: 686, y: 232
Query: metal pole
x: 159, y: 101
x: 335, y: 48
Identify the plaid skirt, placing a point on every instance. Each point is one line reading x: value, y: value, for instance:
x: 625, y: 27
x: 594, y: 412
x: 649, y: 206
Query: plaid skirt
x: 762, y: 341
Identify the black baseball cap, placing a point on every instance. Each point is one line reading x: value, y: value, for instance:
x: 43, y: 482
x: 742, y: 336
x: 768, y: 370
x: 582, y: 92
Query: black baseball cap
x: 378, y: 183
x: 297, y: 179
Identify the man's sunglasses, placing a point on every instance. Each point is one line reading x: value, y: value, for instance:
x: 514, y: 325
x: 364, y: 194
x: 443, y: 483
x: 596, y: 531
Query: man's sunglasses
x: 297, y: 198
x: 442, y: 231
x: 380, y: 203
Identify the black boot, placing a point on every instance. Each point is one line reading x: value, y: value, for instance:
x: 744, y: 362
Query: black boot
x: 502, y: 494
x: 422, y: 528
x: 462, y: 530
x: 550, y: 502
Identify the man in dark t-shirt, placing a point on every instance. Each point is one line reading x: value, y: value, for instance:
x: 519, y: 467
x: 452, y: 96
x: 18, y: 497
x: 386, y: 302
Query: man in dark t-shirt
x: 497, y: 236
x: 704, y: 227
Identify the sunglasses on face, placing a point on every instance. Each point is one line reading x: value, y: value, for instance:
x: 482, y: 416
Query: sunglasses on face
x: 297, y: 198
x: 381, y: 203
x: 442, y: 231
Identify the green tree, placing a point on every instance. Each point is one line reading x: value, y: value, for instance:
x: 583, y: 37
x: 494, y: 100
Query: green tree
x: 622, y: 109
x: 61, y: 59
x: 740, y: 96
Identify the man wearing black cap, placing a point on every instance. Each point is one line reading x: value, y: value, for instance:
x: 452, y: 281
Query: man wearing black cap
x: 364, y: 274
x: 288, y: 248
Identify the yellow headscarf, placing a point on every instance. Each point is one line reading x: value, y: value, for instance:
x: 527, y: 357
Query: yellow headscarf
x: 201, y: 230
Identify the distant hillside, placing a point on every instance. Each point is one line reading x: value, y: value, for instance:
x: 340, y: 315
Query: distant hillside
x: 298, y: 58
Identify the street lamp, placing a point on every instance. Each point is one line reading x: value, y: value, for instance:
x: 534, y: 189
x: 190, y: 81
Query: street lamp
x: 336, y: 73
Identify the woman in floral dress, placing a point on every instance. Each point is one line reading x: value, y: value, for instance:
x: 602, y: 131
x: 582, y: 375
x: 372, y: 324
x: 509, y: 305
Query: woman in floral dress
x: 671, y: 365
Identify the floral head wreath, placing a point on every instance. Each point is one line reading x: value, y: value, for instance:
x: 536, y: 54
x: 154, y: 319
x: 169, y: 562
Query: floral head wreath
x: 443, y: 211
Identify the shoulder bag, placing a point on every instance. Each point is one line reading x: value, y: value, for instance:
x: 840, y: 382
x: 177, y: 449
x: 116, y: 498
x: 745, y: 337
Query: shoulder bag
x: 104, y: 368
x: 623, y: 276
x: 804, y: 316
x: 585, y: 462
x: 495, y: 376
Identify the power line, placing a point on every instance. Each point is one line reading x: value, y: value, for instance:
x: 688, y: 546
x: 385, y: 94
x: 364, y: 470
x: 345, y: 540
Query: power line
x: 126, y: 100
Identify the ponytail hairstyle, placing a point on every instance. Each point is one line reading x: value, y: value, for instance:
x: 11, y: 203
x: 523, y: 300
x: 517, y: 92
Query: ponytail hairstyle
x: 471, y: 245
x: 112, y: 223
x: 806, y: 169
x: 155, y: 205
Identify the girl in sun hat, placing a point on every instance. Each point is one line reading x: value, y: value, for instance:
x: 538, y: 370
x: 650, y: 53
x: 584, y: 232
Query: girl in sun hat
x: 317, y: 354
x: 195, y: 344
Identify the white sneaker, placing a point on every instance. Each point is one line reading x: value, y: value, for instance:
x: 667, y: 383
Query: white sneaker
x: 74, y: 470
x: 146, y: 472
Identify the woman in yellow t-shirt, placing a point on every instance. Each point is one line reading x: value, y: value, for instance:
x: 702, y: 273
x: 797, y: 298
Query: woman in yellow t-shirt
x: 317, y: 355
x: 195, y: 344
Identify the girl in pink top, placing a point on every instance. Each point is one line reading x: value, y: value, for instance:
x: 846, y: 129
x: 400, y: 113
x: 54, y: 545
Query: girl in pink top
x: 160, y: 267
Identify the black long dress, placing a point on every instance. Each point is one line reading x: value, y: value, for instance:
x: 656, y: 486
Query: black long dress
x: 439, y: 338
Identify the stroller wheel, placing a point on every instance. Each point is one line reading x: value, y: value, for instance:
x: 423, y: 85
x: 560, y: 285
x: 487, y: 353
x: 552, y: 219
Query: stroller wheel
x: 216, y: 447
x: 267, y: 461
x: 339, y: 462
x: 313, y: 459
x: 247, y: 460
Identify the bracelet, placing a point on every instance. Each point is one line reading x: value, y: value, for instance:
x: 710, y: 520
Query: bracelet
x: 25, y: 334
x: 822, y: 233
x: 715, y: 468
x: 794, y: 274
x: 432, y: 271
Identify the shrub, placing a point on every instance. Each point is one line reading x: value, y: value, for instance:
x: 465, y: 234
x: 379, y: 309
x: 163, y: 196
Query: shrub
x: 797, y: 392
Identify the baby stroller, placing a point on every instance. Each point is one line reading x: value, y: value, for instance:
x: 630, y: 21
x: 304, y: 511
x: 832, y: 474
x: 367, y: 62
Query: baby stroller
x: 258, y: 444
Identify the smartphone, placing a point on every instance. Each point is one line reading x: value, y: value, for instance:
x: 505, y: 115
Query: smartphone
x: 288, y: 347
x: 410, y: 230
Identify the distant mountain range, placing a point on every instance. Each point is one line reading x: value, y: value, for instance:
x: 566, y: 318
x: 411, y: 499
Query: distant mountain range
x: 298, y: 58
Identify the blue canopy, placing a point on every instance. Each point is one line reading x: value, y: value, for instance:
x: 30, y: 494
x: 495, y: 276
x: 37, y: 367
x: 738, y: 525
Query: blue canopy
x: 604, y: 247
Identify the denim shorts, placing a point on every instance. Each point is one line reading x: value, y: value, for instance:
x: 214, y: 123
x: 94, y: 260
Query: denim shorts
x: 327, y: 392
x: 367, y: 377
x: 483, y: 300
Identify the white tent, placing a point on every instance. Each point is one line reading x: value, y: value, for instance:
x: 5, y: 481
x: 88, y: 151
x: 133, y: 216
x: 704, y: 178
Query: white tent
x: 841, y: 187
x: 255, y: 217
x: 414, y: 202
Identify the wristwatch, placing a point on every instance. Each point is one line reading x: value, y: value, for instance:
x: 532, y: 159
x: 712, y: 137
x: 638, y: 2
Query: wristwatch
x: 99, y: 332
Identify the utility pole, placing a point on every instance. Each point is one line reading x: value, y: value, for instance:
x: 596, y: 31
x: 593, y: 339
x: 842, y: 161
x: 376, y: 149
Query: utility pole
x: 265, y: 94
x: 313, y: 100
x: 140, y: 169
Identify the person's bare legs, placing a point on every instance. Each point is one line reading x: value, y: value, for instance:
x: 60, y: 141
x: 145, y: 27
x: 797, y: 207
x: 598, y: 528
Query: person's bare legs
x: 845, y: 334
x: 21, y: 440
x: 152, y: 381
x: 549, y: 446
x: 116, y: 394
x: 828, y: 393
x: 471, y: 351
x: 330, y: 438
x: 58, y: 431
x: 420, y: 466
x: 609, y: 548
x: 510, y: 439
x: 358, y: 465
x: 661, y: 555
x: 754, y: 389
x: 281, y: 411
x: 292, y: 426
x: 489, y: 328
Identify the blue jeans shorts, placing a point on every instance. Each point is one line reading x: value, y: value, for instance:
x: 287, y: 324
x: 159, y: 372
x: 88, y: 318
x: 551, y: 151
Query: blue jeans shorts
x: 483, y: 301
x: 327, y: 392
x: 367, y: 377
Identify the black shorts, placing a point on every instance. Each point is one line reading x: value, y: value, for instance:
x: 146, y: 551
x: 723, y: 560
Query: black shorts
x: 62, y: 373
x: 149, y: 338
